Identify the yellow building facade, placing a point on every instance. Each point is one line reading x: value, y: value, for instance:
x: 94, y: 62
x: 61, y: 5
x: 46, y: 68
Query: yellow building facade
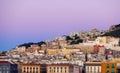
x: 52, y: 51
x: 68, y: 51
x: 30, y: 68
x: 63, y: 51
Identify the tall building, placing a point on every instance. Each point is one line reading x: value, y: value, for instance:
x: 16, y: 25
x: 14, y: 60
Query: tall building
x: 8, y: 67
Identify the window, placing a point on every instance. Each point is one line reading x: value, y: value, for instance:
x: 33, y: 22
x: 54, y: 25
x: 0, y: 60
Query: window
x: 27, y: 69
x: 30, y: 68
x: 108, y: 71
x: 113, y: 71
x: 108, y: 66
x: 36, y: 71
x: 24, y: 71
x: 113, y: 66
x: 65, y: 69
x: 57, y: 69
x: 7, y: 71
x: 37, y: 68
x: 61, y: 69
x: 24, y: 68
x: 94, y: 68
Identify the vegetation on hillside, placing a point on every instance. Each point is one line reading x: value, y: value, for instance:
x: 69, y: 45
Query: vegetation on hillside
x: 31, y: 43
x: 115, y: 32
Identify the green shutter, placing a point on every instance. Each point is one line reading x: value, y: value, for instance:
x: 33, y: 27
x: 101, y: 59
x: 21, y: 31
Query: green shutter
x: 113, y: 66
x: 113, y: 71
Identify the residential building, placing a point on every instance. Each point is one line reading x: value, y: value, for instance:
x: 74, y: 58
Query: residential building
x: 107, y: 40
x: 52, y: 51
x: 3, y: 57
x: 93, y: 67
x: 21, y: 49
x: 68, y: 51
x: 118, y: 67
x: 30, y: 68
x: 108, y: 67
x: 97, y: 48
x: 59, y: 68
x: 117, y: 60
x: 8, y: 67
x: 43, y: 68
x: 62, y: 43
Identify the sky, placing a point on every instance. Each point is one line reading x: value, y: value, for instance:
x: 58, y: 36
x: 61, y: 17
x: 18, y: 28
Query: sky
x: 23, y: 21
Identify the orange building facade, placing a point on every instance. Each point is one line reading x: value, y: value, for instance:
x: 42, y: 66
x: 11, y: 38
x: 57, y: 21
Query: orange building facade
x: 109, y: 67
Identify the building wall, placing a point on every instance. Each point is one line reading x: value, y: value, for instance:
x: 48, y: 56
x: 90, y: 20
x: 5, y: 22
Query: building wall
x: 8, y: 67
x: 21, y: 49
x: 97, y: 48
x: 30, y: 68
x: 13, y: 68
x: 108, y: 67
x: 58, y: 69
x: 52, y: 51
x: 93, y: 67
x: 4, y: 68
x: 68, y: 51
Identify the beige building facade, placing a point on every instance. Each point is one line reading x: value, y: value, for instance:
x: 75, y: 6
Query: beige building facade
x: 58, y: 68
x: 93, y: 67
x: 30, y: 68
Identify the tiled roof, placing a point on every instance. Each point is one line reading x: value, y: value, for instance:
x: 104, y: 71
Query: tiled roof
x: 2, y: 55
x: 4, y: 62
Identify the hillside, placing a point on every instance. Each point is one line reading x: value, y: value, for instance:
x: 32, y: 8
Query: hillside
x: 115, y: 32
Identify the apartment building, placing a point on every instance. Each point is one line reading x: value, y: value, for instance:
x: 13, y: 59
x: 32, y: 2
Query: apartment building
x: 30, y: 68
x: 93, y: 67
x: 108, y: 67
x: 59, y: 68
x: 8, y: 67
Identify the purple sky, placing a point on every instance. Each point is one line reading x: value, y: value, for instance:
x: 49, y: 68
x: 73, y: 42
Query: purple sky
x: 35, y: 20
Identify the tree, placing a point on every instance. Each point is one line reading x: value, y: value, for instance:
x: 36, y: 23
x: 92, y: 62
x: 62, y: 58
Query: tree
x: 68, y: 38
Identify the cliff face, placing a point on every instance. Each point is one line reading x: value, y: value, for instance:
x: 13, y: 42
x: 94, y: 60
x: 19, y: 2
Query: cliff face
x: 114, y: 31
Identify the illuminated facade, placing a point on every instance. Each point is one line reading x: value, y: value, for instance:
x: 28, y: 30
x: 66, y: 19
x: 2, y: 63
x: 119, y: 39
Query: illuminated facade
x: 30, y: 68
x: 59, y: 68
x: 108, y: 67
x: 93, y: 67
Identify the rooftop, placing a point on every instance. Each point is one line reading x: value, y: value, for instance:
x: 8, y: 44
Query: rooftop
x: 4, y: 62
